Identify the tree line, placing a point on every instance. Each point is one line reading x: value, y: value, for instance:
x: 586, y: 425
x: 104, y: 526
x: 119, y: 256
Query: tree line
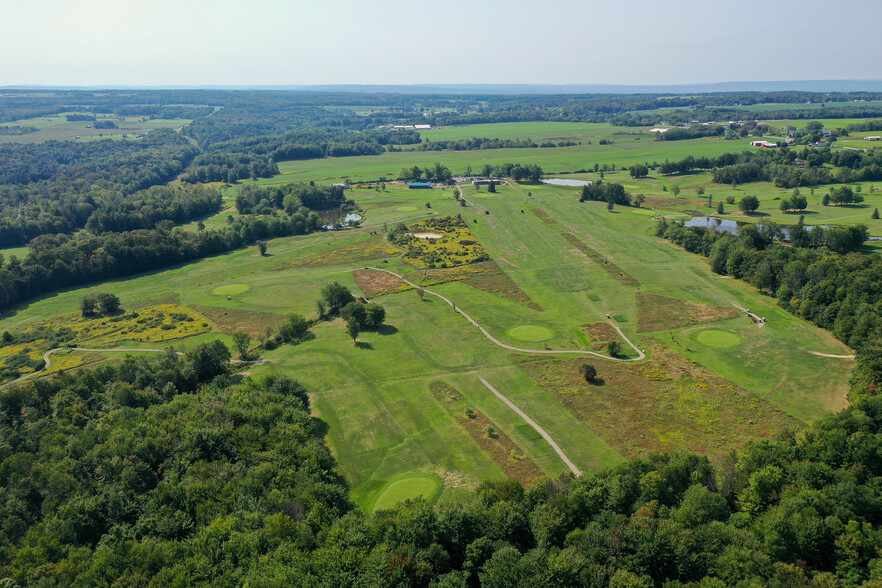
x: 60, y: 261
x: 780, y: 167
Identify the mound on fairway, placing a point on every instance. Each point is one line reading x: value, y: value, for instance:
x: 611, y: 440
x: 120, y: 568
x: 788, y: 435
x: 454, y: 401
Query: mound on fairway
x: 230, y: 289
x: 407, y: 209
x: 718, y: 338
x: 530, y: 333
x: 402, y: 489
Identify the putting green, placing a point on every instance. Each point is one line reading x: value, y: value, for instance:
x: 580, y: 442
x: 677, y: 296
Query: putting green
x: 719, y: 339
x: 413, y: 486
x: 530, y: 333
x: 407, y: 208
x: 230, y: 289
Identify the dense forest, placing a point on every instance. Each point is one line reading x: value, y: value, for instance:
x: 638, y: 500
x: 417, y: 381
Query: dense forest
x: 55, y: 187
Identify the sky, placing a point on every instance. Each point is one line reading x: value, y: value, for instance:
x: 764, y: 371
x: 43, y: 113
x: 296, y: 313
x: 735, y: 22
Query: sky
x: 278, y: 42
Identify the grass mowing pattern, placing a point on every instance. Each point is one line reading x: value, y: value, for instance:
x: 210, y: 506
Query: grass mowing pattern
x: 408, y: 488
x: 407, y: 209
x: 231, y: 289
x: 718, y: 339
x: 608, y: 266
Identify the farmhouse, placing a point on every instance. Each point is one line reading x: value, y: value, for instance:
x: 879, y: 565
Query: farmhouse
x: 419, y: 186
x: 763, y: 144
x: 873, y: 138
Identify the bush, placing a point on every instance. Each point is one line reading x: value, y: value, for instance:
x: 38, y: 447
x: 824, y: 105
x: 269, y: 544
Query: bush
x: 589, y: 371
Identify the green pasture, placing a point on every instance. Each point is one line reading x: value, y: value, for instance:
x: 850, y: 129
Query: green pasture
x: 632, y: 146
x: 538, y: 131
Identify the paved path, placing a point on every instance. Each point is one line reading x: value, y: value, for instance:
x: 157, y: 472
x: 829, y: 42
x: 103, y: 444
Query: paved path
x: 640, y: 354
x: 533, y: 424
x: 47, y: 358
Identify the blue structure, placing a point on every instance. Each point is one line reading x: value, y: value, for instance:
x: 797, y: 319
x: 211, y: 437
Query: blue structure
x: 419, y: 186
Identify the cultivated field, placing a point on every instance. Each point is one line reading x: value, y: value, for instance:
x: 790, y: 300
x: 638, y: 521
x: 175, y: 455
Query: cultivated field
x: 57, y: 127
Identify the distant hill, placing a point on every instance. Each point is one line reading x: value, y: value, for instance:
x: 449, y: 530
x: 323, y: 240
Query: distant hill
x: 767, y: 86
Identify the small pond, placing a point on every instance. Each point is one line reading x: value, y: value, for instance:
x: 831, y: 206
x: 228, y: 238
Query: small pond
x: 720, y: 225
x: 564, y: 182
x: 337, y: 219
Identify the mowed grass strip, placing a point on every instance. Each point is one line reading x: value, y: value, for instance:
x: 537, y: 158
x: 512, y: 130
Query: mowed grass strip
x: 665, y: 404
x: 659, y: 313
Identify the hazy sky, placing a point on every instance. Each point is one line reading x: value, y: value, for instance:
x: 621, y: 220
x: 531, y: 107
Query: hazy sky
x: 224, y: 42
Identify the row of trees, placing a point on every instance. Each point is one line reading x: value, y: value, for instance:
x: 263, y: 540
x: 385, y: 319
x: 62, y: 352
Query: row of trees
x: 779, y: 166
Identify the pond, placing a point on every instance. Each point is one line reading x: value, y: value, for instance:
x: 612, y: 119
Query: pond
x: 722, y: 225
x: 337, y: 219
x: 564, y: 182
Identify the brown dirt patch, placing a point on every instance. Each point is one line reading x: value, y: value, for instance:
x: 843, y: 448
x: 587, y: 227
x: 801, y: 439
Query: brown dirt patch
x: 505, y: 452
x: 230, y: 321
x: 543, y: 215
x: 374, y: 283
x: 666, y: 404
x: 486, y: 276
x: 658, y: 313
x: 606, y: 264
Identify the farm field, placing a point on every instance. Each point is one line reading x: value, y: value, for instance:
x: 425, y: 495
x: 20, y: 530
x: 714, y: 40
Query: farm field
x: 561, y: 268
x: 57, y: 127
x: 629, y: 145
